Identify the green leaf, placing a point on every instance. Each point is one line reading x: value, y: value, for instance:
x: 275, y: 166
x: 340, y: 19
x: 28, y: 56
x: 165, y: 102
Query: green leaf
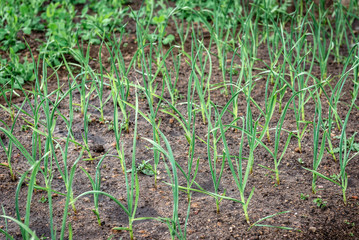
x: 53, y: 27
x: 6, y: 234
x: 23, y: 226
x: 158, y: 20
x: 267, y: 217
x: 121, y: 228
x: 19, y: 46
x: 356, y: 147
x: 24, y: 9
x: 2, y: 33
x: 170, y: 38
x: 84, y: 11
x: 27, y: 30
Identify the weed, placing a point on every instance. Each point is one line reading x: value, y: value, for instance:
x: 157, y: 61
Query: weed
x: 13, y: 73
x: 144, y: 168
x: 320, y: 203
x: 43, y: 199
x: 304, y: 196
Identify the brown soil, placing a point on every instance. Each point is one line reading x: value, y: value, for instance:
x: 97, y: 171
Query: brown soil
x: 335, y: 221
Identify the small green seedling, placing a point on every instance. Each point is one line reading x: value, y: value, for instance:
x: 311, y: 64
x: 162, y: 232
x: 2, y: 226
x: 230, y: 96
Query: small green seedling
x: 24, y: 128
x: 350, y: 143
x: 320, y: 203
x: 168, y: 39
x: 144, y: 168
x: 110, y: 125
x: 304, y: 196
x: 43, y: 199
x: 335, y: 177
x: 352, y: 224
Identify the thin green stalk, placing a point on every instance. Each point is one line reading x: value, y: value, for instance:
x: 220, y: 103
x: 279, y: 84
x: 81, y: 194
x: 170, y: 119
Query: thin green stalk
x: 96, y: 185
x: 8, y: 149
x: 240, y: 179
x: 216, y: 167
x: 317, y: 126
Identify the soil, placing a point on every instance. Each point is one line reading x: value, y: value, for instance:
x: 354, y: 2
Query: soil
x: 335, y: 220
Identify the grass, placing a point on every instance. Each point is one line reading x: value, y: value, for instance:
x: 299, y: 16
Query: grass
x: 212, y: 49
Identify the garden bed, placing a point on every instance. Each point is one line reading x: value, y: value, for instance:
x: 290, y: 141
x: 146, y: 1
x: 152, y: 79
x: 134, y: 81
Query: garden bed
x: 164, y: 129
